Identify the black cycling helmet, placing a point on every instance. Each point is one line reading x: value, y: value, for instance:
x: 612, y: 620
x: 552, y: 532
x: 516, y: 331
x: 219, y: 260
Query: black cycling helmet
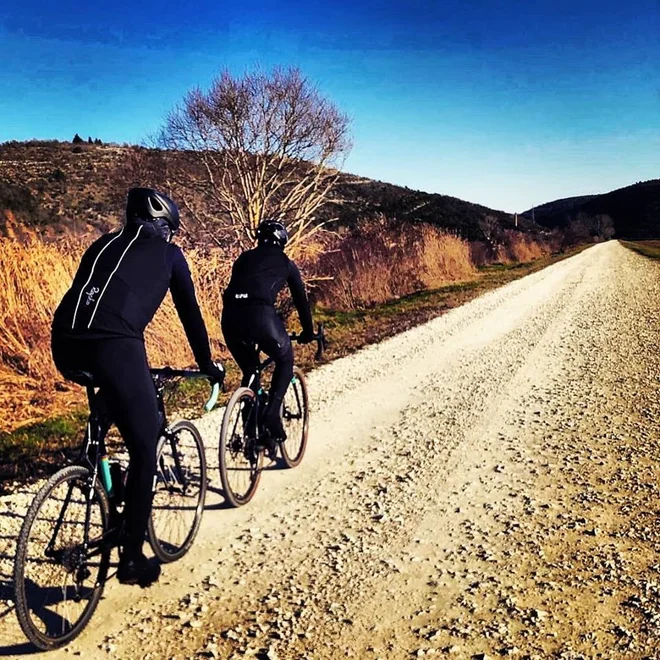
x: 154, y: 211
x: 271, y: 232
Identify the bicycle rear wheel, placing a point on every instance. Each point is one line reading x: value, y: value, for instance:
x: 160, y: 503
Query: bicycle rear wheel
x: 179, y: 493
x: 57, y: 581
x: 295, y: 419
x: 240, y: 462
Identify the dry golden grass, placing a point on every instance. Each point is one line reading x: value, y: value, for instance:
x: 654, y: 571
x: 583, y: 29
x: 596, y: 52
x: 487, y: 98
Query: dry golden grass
x: 521, y: 248
x: 512, y: 247
x: 383, y: 263
x: 441, y: 258
x: 380, y: 263
x: 33, y: 279
x: 34, y: 275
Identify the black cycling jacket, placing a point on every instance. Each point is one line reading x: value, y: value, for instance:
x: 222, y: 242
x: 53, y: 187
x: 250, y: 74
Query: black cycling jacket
x: 258, y: 275
x: 121, y: 281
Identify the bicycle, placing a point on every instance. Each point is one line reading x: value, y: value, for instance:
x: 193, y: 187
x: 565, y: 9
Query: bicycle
x: 240, y: 451
x: 74, y: 522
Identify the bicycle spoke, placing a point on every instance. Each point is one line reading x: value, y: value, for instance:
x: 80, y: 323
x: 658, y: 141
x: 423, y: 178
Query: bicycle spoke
x: 240, y: 462
x: 295, y: 419
x: 179, y: 494
x: 57, y: 588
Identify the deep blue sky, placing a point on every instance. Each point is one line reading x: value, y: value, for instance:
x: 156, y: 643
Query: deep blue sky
x: 505, y: 103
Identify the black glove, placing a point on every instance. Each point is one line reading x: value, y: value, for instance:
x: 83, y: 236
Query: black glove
x: 306, y: 337
x: 215, y: 371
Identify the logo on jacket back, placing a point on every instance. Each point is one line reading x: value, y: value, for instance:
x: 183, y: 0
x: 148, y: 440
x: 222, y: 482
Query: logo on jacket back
x: 90, y: 295
x: 240, y: 295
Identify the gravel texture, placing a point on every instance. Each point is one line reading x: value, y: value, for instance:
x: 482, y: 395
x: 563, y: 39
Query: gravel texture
x: 481, y: 486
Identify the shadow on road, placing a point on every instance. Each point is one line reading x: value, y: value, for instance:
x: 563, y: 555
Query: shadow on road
x: 279, y: 464
x: 9, y: 520
x: 18, y: 649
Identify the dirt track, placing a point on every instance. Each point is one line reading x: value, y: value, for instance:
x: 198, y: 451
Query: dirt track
x: 481, y: 486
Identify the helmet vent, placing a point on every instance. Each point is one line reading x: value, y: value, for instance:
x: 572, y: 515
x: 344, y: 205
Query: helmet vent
x: 155, y: 205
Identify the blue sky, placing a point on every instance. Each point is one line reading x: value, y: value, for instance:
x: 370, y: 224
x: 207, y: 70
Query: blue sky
x: 503, y: 103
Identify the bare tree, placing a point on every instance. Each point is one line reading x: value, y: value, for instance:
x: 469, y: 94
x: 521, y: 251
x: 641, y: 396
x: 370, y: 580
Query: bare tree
x: 490, y: 228
x: 263, y: 146
x: 603, y: 226
x: 585, y: 228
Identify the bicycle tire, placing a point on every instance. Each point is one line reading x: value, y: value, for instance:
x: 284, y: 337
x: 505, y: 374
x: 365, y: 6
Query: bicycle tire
x: 295, y: 419
x: 27, y: 589
x: 179, y: 492
x: 239, y: 462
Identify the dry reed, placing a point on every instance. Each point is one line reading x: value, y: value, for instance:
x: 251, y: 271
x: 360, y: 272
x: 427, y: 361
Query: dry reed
x: 34, y: 275
x: 378, y: 263
x: 385, y: 262
x: 521, y: 248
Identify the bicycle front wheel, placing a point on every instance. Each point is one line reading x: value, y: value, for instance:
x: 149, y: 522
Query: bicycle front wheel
x: 240, y: 461
x: 62, y: 558
x: 179, y: 493
x: 295, y: 419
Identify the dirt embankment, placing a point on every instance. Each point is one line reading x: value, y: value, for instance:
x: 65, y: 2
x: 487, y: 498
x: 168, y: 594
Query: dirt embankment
x: 484, y: 485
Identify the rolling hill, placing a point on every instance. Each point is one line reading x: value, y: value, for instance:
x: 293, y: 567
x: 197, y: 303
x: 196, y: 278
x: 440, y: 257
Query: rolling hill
x: 55, y: 186
x: 58, y: 185
x: 635, y: 210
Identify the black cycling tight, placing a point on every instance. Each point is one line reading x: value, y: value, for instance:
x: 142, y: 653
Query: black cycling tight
x: 245, y: 325
x: 120, y: 367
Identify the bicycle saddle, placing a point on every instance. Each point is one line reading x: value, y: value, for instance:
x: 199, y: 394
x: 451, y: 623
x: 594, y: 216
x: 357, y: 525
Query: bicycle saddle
x: 83, y: 378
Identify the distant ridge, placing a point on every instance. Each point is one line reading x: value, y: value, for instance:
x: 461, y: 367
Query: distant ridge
x: 635, y: 210
x: 56, y: 185
x: 557, y: 208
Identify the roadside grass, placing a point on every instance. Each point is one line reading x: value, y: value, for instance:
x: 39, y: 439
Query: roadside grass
x: 36, y: 450
x: 350, y: 331
x: 650, y: 249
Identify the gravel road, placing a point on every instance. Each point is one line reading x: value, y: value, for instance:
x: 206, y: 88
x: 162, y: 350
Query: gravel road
x: 484, y: 485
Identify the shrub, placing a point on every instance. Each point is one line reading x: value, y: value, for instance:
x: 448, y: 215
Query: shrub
x: 34, y: 275
x: 480, y: 253
x: 383, y: 261
x: 521, y: 247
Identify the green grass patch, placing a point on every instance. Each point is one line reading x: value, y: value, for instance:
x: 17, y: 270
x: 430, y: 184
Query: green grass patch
x: 33, y: 450
x: 650, y: 249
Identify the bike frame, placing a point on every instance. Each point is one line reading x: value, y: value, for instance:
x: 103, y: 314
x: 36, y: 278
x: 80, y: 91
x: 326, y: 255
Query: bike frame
x: 93, y: 455
x: 254, y: 383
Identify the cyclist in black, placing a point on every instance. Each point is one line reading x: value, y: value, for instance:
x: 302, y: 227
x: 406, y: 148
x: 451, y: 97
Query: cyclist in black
x: 249, y: 316
x: 98, y: 328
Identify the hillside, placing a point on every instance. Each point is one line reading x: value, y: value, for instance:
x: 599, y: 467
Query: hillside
x: 360, y: 197
x: 53, y: 185
x: 635, y: 210
x: 559, y: 209
x: 57, y: 185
